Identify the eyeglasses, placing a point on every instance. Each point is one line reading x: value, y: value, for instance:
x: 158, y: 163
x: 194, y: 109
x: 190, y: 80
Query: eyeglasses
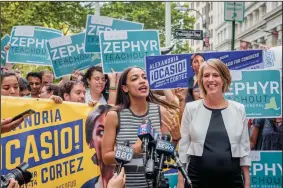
x: 103, y: 80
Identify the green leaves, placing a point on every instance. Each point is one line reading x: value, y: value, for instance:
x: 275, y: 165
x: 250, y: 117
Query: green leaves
x: 64, y: 16
x: 152, y: 14
x: 70, y: 17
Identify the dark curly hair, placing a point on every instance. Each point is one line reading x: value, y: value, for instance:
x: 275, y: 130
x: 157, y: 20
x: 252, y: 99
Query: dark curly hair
x: 56, y: 90
x: 23, y: 83
x: 88, y: 75
x: 68, y: 86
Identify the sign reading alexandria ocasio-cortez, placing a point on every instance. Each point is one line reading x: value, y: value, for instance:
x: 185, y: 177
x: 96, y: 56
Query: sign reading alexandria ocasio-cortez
x: 259, y: 91
x: 67, y: 53
x: 123, y: 49
x: 178, y: 71
x: 170, y: 71
x: 96, y: 24
x: 28, y: 44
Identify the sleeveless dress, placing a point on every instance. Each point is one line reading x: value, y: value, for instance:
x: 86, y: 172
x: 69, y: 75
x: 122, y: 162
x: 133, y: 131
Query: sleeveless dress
x: 128, y: 131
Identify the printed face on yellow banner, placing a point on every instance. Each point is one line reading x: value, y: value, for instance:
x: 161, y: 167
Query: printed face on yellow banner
x: 54, y: 143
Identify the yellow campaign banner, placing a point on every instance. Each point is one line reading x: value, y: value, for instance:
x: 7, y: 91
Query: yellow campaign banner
x: 52, y: 141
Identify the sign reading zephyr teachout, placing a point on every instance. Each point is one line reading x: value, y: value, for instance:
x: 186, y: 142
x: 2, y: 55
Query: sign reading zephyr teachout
x: 259, y: 91
x: 266, y: 169
x: 96, y: 24
x: 28, y: 45
x: 123, y: 49
x: 67, y: 53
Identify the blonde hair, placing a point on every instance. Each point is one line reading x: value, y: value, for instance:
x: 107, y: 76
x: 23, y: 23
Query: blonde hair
x: 223, y: 71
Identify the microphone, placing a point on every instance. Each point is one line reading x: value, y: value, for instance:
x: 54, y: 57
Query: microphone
x: 181, y: 168
x: 164, y: 148
x: 146, y: 134
x: 150, y: 163
x: 123, y: 154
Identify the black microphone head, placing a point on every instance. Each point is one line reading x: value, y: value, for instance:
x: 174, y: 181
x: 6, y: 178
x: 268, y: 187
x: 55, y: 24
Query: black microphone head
x: 127, y: 143
x: 166, y: 137
x: 145, y: 121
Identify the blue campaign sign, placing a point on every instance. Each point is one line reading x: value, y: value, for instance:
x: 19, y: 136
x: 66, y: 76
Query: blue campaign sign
x: 266, y: 169
x: 97, y: 24
x: 167, y: 72
x: 260, y: 91
x: 67, y: 53
x: 123, y: 49
x: 4, y: 42
x: 238, y: 60
x: 28, y: 44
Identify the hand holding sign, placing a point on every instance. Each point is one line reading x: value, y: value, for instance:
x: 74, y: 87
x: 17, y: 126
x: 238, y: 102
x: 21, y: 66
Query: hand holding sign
x: 75, y: 75
x: 7, y: 47
x: 112, y: 77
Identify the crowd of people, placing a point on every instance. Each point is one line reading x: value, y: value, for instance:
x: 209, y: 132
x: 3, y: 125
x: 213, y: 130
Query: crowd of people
x: 212, y: 132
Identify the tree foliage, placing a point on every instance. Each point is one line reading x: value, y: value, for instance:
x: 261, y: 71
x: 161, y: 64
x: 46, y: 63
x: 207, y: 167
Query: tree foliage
x: 152, y: 14
x: 64, y: 16
x: 70, y: 17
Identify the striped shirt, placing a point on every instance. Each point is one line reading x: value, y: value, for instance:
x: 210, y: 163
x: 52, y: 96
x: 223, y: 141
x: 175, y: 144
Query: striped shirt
x: 128, y: 130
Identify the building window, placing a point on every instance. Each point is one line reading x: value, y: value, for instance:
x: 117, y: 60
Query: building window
x: 246, y: 23
x: 211, y: 33
x: 197, y: 15
x: 256, y: 16
x: 192, y: 5
x: 197, y: 26
x: 203, y: 11
x: 273, y: 5
x: 211, y: 46
x: 225, y: 35
x: 211, y: 20
x: 192, y: 42
x: 264, y: 9
x: 211, y: 6
x: 197, y: 4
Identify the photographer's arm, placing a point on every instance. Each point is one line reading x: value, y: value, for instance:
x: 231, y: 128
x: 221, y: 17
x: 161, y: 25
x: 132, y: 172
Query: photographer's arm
x: 13, y: 184
x: 118, y: 181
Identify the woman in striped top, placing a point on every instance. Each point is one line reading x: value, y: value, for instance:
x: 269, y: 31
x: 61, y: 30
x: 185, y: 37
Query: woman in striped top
x: 135, y: 103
